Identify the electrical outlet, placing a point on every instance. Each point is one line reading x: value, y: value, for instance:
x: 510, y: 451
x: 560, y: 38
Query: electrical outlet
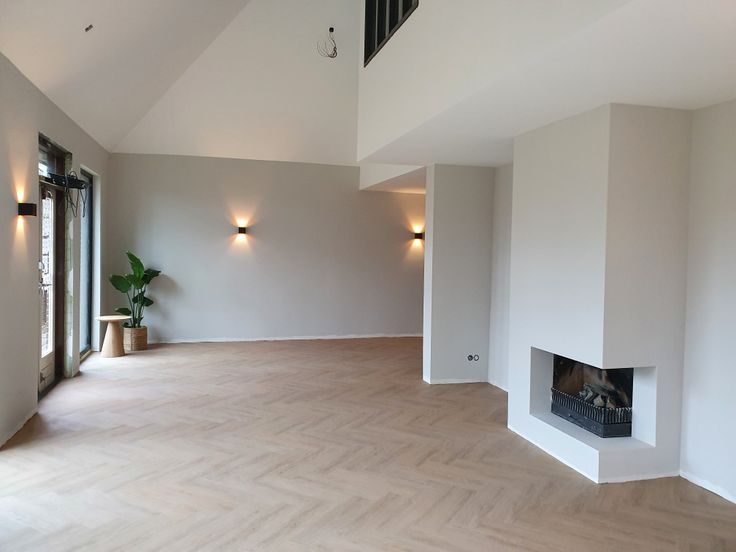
x: 473, y: 358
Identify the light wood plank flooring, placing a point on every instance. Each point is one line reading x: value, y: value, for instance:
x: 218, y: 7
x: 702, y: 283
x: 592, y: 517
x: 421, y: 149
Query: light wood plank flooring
x: 313, y: 446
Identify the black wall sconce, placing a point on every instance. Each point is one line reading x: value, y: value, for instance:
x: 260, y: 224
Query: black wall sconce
x: 242, y: 229
x: 27, y: 210
x: 418, y: 235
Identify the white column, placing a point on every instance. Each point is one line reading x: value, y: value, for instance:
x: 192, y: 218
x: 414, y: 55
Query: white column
x: 457, y: 273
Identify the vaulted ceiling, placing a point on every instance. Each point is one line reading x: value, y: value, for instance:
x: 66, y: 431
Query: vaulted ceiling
x: 261, y: 91
x: 108, y: 78
x: 242, y: 78
x: 226, y: 78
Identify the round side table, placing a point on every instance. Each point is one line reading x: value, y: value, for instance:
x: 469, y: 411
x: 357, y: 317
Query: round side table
x: 112, y: 346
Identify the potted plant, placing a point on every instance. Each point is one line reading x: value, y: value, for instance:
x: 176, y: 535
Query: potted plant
x: 134, y: 286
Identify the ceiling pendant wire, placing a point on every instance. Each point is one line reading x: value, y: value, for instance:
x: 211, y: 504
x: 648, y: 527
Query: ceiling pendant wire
x: 328, y: 49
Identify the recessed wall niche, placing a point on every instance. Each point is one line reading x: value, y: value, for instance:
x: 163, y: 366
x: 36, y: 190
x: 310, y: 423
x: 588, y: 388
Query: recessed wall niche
x: 643, y: 400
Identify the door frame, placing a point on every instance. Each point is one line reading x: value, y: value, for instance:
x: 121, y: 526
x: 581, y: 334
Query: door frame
x: 84, y: 174
x: 59, y: 280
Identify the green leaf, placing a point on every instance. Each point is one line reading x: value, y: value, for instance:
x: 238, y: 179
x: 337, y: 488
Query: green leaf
x: 125, y: 311
x: 135, y: 281
x: 136, y: 265
x: 149, y: 275
x: 120, y: 283
x: 140, y: 298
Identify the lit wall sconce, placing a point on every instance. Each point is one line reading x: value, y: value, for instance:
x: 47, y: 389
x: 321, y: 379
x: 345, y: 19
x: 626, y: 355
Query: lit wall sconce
x: 27, y: 210
x: 418, y: 235
x: 242, y: 230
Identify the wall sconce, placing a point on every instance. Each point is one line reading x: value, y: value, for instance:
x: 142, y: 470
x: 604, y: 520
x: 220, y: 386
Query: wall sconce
x: 418, y: 235
x: 242, y: 230
x: 27, y: 210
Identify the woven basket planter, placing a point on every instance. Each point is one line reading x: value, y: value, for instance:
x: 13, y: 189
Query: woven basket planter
x: 135, y: 339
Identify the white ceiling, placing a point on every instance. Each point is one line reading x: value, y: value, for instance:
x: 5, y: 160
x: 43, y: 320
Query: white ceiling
x: 241, y: 78
x: 414, y: 182
x: 220, y: 78
x: 107, y: 79
x: 667, y: 53
x: 407, y: 179
x: 261, y: 91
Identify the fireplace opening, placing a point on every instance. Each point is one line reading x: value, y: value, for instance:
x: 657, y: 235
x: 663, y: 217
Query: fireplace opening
x: 599, y: 401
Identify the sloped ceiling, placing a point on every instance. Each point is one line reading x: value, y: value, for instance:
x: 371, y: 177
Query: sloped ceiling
x: 221, y: 78
x: 261, y: 91
x: 108, y: 78
x: 242, y: 79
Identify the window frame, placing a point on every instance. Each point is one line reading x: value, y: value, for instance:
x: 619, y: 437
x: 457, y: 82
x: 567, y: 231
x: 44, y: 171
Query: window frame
x: 83, y: 353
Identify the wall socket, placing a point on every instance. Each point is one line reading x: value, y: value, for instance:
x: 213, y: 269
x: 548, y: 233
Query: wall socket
x: 473, y: 358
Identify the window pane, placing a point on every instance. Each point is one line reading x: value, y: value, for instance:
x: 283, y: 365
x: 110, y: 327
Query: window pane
x: 393, y: 13
x: 47, y: 275
x: 370, y: 28
x: 381, y: 21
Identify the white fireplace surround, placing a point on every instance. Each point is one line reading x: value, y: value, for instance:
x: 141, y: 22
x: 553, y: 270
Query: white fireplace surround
x: 598, y: 274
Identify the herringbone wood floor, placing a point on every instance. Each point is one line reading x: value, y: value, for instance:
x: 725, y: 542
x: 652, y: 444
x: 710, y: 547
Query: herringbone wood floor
x: 298, y: 446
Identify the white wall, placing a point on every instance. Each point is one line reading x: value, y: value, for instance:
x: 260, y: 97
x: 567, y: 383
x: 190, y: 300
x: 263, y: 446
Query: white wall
x: 471, y: 40
x: 557, y: 266
x: 646, y: 263
x: 558, y: 241
x: 498, y: 343
x: 261, y: 91
x: 24, y: 112
x: 457, y: 285
x: 321, y: 257
x: 709, y: 434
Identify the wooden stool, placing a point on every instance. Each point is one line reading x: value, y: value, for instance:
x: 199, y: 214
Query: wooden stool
x: 112, y: 346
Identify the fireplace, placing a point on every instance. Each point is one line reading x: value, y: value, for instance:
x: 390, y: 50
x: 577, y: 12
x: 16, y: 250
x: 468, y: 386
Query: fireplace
x: 599, y: 401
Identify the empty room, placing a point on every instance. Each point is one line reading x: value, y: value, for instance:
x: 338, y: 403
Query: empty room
x: 367, y: 275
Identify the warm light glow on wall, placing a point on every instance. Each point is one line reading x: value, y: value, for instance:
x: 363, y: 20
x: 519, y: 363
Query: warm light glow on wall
x: 20, y: 243
x: 22, y: 162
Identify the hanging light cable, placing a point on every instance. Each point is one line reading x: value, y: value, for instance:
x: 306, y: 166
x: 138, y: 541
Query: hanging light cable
x: 324, y: 49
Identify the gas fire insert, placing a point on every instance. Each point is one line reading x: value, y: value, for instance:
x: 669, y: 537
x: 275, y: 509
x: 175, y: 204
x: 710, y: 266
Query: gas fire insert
x: 599, y: 401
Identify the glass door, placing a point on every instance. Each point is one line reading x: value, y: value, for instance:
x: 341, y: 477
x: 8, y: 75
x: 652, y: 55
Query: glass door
x: 86, y: 268
x: 47, y: 288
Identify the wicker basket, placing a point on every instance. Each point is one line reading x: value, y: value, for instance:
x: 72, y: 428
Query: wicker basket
x: 135, y: 339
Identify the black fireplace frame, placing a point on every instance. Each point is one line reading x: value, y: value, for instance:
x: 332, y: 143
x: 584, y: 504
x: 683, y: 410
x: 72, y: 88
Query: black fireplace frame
x: 604, y: 422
